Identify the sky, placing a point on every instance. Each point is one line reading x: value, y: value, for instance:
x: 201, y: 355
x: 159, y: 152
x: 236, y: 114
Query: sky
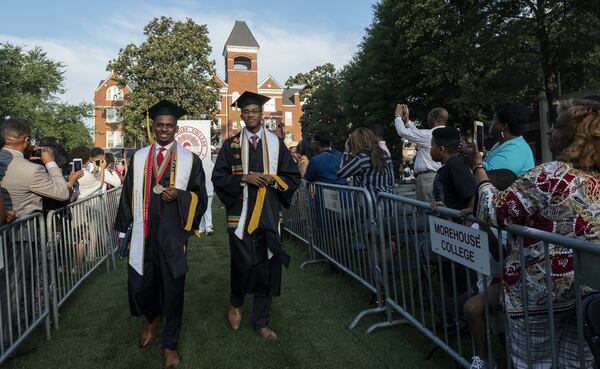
x: 294, y: 36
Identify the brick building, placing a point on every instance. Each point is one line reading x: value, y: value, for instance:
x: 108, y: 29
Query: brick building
x: 241, y: 74
x: 108, y: 98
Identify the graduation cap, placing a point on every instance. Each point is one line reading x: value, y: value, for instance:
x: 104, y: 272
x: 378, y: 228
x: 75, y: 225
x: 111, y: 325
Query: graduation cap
x: 165, y: 107
x: 249, y: 98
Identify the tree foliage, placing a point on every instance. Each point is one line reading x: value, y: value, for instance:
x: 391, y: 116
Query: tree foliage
x: 312, y: 79
x: 29, y: 85
x: 464, y: 55
x: 172, y: 63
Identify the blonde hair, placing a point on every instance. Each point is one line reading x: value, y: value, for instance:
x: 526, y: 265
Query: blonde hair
x: 365, y: 140
x: 582, y: 119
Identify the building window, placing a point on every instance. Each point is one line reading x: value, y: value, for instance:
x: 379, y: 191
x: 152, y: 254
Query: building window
x: 114, y: 93
x: 242, y: 63
x: 271, y: 124
x: 288, y: 118
x: 270, y: 106
x: 112, y: 116
x: 218, y: 105
x: 114, y: 139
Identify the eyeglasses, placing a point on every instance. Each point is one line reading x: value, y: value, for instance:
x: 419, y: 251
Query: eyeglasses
x: 250, y: 112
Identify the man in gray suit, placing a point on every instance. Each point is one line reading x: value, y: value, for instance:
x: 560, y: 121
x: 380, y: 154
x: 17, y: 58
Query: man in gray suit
x: 23, y: 186
x: 25, y: 183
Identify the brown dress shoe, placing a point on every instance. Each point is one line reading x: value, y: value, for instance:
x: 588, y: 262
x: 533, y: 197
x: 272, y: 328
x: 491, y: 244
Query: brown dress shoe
x: 267, y: 333
x: 235, y: 317
x: 148, y: 334
x: 172, y: 360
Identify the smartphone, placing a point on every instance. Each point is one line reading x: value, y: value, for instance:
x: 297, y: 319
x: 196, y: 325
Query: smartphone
x: 97, y: 162
x: 76, y: 165
x: 478, y: 134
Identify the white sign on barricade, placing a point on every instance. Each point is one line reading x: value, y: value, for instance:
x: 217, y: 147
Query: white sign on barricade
x: 459, y: 243
x: 331, y: 200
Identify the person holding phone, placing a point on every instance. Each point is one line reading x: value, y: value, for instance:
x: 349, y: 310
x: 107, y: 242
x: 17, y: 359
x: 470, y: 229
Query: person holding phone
x: 511, y: 151
x: 425, y: 167
x: 89, y: 184
x: 26, y: 183
x: 111, y: 177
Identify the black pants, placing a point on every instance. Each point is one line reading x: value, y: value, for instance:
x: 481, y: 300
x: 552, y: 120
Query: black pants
x: 261, y: 309
x: 157, y: 293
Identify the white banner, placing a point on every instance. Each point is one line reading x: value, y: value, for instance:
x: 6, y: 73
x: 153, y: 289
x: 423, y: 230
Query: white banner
x: 194, y: 135
x: 459, y: 243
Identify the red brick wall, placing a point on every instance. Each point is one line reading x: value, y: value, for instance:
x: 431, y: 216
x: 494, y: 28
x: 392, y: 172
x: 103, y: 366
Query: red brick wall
x: 100, y: 102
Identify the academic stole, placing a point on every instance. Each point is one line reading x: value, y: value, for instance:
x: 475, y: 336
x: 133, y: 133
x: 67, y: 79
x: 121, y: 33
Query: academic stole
x: 151, y: 170
x: 239, y: 160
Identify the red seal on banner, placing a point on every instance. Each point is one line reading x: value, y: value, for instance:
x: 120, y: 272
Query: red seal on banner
x: 193, y: 139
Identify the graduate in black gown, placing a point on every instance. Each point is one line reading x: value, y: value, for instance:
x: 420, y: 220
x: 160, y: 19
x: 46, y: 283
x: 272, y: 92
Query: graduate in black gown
x: 163, y: 200
x: 254, y: 176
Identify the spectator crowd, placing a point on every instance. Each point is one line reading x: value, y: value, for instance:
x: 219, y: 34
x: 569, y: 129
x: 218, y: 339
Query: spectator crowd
x: 500, y: 186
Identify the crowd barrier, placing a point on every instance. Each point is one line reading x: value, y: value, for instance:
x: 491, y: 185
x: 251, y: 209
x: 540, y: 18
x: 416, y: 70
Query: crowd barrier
x: 24, y: 295
x: 417, y: 286
x: 338, y: 223
x: 44, y: 259
x: 80, y: 240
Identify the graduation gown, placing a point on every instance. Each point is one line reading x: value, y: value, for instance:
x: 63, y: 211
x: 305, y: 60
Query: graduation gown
x: 252, y: 271
x: 159, y: 289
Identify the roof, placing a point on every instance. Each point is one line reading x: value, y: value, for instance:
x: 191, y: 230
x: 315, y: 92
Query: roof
x: 241, y: 36
x: 287, y: 98
x: 269, y: 81
x: 131, y: 85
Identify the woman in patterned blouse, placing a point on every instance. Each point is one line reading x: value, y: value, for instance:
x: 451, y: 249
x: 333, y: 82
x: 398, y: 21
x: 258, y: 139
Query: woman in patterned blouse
x: 562, y: 197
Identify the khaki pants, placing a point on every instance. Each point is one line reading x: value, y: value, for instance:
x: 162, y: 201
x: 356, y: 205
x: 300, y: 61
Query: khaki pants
x: 425, y: 187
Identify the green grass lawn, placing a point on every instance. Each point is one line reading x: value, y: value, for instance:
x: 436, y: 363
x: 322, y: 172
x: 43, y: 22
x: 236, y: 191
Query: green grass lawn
x: 317, y: 303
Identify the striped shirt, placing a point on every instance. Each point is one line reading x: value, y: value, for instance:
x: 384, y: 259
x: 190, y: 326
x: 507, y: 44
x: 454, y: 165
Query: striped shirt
x: 365, y: 175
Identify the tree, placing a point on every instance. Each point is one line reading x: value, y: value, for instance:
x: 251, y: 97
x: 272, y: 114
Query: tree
x: 173, y: 63
x: 311, y: 80
x: 464, y: 55
x: 29, y: 85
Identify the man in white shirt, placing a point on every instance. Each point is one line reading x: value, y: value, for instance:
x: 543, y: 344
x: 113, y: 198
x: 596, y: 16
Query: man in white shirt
x: 425, y: 168
x: 110, y: 175
x: 89, y: 185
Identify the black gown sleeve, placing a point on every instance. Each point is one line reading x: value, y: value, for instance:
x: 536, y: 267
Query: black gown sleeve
x: 287, y: 170
x: 125, y: 212
x: 197, y: 185
x: 228, y: 186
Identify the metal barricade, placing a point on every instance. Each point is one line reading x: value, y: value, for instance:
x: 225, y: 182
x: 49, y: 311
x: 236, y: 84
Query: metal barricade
x: 296, y: 220
x: 111, y: 201
x: 435, y: 294
x: 80, y: 240
x: 24, y: 296
x: 340, y: 229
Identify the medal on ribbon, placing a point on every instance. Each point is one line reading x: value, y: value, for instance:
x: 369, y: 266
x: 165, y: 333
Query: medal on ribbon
x: 159, y: 170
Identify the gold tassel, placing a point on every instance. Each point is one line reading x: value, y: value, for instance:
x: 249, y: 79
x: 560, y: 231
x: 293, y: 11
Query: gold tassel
x: 150, y: 137
x: 237, y: 117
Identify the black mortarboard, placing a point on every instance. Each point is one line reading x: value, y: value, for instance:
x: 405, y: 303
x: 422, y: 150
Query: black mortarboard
x: 248, y: 98
x: 165, y: 107
x: 446, y: 133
